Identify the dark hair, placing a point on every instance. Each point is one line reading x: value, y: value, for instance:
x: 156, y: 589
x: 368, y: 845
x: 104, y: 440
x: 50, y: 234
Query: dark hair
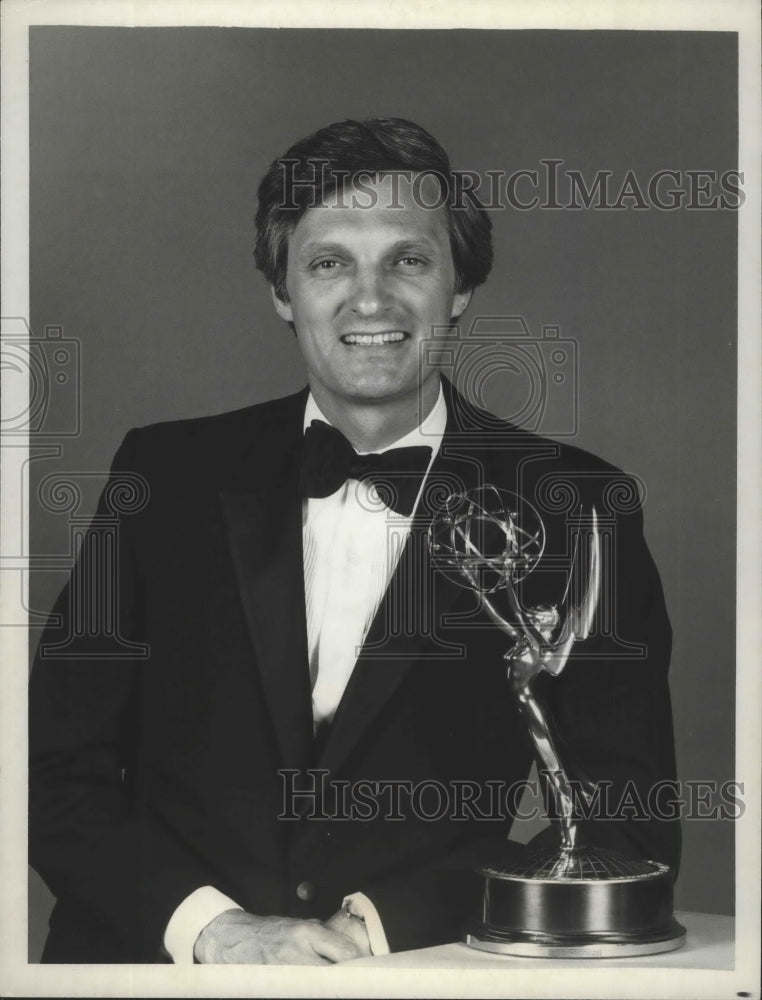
x: 335, y: 155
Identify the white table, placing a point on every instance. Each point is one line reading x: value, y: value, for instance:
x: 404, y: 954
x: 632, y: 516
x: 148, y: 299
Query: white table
x: 709, y: 945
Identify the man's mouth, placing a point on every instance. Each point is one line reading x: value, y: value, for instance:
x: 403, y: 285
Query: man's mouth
x: 374, y: 339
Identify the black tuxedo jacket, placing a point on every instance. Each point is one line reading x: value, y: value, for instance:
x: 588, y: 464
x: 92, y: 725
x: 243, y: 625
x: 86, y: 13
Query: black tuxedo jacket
x: 171, y: 691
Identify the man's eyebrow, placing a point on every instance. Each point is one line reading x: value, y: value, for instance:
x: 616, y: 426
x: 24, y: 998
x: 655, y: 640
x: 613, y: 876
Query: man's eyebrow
x: 415, y: 243
x: 321, y: 246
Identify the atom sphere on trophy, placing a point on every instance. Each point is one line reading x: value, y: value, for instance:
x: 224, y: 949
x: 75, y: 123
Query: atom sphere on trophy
x: 486, y: 539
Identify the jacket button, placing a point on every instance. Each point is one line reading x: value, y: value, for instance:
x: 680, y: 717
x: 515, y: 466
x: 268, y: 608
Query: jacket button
x: 305, y: 891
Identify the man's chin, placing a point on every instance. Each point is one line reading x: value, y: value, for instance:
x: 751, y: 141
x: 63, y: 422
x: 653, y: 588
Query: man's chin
x: 381, y: 391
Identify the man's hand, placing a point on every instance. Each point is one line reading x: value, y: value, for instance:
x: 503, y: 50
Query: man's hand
x: 352, y: 927
x: 239, y: 938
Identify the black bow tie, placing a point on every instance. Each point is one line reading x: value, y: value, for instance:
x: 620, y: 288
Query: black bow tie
x: 330, y: 460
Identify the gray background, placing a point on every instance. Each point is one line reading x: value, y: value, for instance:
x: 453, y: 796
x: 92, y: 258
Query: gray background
x: 146, y: 149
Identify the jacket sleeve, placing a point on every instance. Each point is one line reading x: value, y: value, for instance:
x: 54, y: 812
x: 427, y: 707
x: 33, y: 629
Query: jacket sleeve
x: 112, y: 866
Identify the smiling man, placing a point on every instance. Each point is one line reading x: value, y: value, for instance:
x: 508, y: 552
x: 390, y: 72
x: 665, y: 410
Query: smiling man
x: 259, y: 778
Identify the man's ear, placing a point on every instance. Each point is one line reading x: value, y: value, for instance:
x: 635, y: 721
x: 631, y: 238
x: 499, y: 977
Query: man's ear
x: 460, y: 303
x: 283, y: 309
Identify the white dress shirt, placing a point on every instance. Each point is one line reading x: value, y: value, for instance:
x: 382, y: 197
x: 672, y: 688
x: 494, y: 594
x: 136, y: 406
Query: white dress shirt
x: 351, y: 544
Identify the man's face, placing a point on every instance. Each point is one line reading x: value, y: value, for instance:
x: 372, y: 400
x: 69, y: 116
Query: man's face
x: 366, y: 285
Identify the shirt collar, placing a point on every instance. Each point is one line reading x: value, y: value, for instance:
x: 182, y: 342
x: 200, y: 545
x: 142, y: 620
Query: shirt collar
x: 430, y: 432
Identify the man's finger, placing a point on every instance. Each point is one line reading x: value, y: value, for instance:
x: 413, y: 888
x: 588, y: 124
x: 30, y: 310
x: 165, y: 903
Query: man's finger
x: 332, y: 945
x: 309, y: 957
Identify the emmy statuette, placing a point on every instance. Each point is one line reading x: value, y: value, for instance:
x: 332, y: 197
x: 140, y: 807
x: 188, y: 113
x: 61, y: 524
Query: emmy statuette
x: 577, y: 901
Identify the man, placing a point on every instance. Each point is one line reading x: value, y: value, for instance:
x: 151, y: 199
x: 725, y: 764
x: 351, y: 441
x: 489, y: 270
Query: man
x: 291, y: 640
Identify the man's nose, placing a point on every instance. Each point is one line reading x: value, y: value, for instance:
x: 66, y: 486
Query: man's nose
x: 371, y: 293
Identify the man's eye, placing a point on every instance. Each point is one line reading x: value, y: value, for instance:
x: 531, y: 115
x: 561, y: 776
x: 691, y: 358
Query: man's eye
x: 325, y: 265
x: 409, y: 260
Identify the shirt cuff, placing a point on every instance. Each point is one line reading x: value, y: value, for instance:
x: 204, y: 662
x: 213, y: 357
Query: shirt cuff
x: 190, y: 918
x: 359, y: 905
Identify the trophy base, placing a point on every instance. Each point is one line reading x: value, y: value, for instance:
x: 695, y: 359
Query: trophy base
x: 578, y: 903
x: 559, y: 947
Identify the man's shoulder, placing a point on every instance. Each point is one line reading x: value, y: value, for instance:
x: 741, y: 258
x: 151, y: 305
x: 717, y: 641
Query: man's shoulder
x: 562, y: 475
x: 206, y: 450
x: 483, y: 431
x: 227, y: 429
x: 557, y: 474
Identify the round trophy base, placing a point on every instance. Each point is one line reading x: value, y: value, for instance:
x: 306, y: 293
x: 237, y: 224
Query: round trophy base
x: 559, y: 947
x: 578, y: 903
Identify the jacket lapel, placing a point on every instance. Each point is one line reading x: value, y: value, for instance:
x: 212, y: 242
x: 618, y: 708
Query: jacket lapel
x: 263, y: 517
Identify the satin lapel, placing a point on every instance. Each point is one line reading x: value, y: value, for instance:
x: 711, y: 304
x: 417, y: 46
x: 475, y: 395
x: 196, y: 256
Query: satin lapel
x: 264, y: 525
x: 408, y: 625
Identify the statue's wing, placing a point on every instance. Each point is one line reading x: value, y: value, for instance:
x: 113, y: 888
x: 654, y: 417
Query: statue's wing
x: 577, y: 615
